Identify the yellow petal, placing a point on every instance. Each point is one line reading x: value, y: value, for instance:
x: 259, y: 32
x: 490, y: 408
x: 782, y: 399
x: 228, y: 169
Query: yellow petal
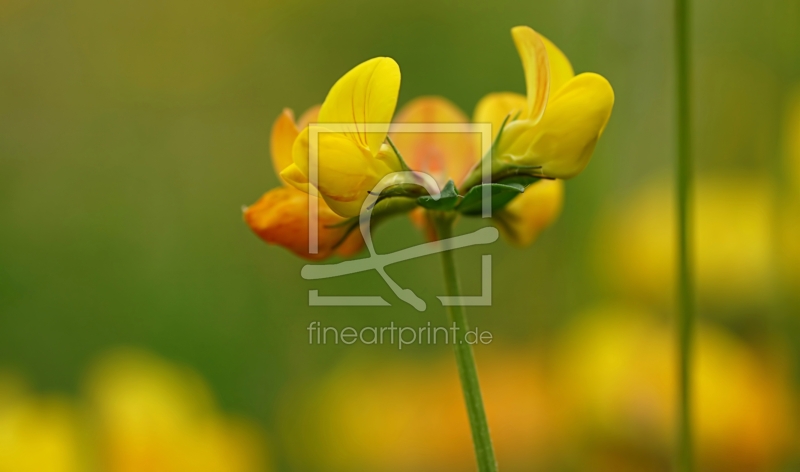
x: 283, y: 135
x: 310, y: 116
x: 563, y: 141
x: 560, y: 68
x: 495, y: 107
x: 444, y: 156
x: 522, y: 220
x: 293, y: 176
x: 280, y: 217
x: 366, y: 94
x: 345, y: 170
x: 533, y: 53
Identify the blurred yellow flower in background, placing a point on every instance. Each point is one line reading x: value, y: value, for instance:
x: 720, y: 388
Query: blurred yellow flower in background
x: 402, y: 416
x: 37, y: 433
x: 151, y: 415
x: 733, y: 233
x: 141, y: 414
x: 444, y: 156
x: 616, y: 374
x: 558, y: 124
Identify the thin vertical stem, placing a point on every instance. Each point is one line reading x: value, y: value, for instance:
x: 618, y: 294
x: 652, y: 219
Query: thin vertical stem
x: 685, y: 460
x: 467, y: 371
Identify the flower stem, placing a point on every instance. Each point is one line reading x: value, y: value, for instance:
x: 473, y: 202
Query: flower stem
x: 684, y: 459
x: 467, y: 371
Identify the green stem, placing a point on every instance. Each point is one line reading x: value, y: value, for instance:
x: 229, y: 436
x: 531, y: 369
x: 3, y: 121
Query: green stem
x: 685, y: 460
x: 467, y: 371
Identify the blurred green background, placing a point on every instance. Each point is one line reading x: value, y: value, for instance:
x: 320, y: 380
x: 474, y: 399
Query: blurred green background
x: 132, y: 132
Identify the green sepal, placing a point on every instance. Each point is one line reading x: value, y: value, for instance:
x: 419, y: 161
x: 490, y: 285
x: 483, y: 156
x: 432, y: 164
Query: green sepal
x: 383, y: 210
x: 502, y: 193
x: 448, y: 199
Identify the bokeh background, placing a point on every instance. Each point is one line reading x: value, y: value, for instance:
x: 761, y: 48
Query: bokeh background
x: 144, y: 327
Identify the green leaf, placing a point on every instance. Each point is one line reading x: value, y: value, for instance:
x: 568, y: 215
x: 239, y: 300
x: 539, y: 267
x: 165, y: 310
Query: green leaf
x: 448, y: 199
x: 502, y: 193
x: 521, y: 179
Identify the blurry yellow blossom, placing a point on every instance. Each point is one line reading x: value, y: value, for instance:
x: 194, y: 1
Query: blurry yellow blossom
x: 558, y: 124
x: 522, y: 220
x: 353, y: 161
x: 617, y: 375
x: 37, y: 434
x: 150, y: 415
x: 444, y: 156
x: 407, y: 416
x: 141, y: 414
x: 281, y: 215
x: 733, y: 234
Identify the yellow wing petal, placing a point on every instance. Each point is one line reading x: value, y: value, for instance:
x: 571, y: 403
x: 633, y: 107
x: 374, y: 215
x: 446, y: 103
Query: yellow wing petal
x: 283, y: 135
x: 522, y: 220
x: 366, y: 94
x: 533, y: 53
x: 495, y: 107
x: 560, y: 68
x: 345, y: 170
x: 563, y: 141
x: 444, y: 156
x: 295, y: 177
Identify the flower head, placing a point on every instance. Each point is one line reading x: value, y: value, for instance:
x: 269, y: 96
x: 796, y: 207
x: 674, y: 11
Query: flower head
x: 280, y: 216
x: 351, y: 160
x: 556, y: 127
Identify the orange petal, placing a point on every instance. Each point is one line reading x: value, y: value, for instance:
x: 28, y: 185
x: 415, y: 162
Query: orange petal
x: 495, y: 107
x: 284, y: 132
x: 444, y: 156
x: 310, y: 116
x: 533, y: 53
x: 280, y: 217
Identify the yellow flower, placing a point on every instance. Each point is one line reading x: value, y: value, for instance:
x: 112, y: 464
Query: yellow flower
x: 525, y: 217
x: 150, y: 415
x: 368, y: 415
x: 617, y: 376
x: 351, y: 161
x: 447, y: 156
x: 280, y: 216
x: 556, y: 127
x: 37, y: 434
x: 733, y: 236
